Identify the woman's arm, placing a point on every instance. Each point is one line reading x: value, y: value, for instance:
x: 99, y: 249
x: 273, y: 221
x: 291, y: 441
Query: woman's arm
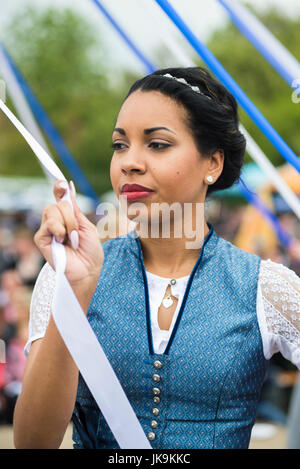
x: 45, y: 405
x: 279, y: 311
x: 44, y: 408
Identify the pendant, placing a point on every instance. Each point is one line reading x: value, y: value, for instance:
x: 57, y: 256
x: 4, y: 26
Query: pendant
x: 167, y: 302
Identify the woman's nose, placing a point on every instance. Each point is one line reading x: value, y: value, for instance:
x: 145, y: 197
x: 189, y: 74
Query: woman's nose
x: 133, y: 162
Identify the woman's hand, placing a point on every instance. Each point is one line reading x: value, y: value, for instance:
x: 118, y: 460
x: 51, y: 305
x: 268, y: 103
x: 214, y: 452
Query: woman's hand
x: 83, y: 247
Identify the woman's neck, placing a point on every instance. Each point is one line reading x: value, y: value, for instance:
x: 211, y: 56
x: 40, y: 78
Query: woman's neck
x: 171, y: 257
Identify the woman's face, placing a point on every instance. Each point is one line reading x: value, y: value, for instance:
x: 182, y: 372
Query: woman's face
x: 154, y: 147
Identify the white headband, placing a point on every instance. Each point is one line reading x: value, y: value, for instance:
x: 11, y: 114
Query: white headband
x: 182, y: 80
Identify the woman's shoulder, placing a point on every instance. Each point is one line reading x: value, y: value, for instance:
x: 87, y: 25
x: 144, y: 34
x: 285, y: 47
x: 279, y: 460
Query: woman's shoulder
x: 280, y: 300
x: 236, y: 255
x: 272, y: 272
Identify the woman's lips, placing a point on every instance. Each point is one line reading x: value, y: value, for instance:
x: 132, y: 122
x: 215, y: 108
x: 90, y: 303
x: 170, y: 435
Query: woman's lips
x: 136, y: 195
x: 135, y: 191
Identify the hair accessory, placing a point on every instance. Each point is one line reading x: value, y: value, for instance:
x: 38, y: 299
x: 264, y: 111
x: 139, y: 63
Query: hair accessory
x: 209, y: 178
x: 182, y: 80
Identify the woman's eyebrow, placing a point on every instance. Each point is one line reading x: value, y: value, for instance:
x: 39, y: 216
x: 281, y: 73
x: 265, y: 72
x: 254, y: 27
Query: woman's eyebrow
x: 146, y: 131
x: 121, y: 131
x: 153, y: 129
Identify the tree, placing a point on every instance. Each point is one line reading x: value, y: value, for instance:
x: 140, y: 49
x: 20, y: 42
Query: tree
x: 64, y: 64
x: 262, y: 84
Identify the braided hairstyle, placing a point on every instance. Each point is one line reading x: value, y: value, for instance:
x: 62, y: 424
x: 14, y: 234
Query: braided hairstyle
x: 212, y: 116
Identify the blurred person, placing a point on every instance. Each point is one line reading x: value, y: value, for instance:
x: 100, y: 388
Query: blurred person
x: 29, y: 260
x: 228, y: 225
x: 189, y: 331
x: 10, y: 280
x: 15, y: 359
x: 288, y: 222
x: 21, y: 299
x: 294, y: 252
x: 7, y: 330
x: 3, y: 402
x: 6, y: 333
x: 7, y: 260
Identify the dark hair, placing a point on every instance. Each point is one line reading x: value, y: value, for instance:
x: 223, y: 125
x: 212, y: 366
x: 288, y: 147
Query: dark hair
x: 212, y: 116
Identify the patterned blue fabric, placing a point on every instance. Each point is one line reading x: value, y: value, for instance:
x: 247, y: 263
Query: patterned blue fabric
x: 213, y: 367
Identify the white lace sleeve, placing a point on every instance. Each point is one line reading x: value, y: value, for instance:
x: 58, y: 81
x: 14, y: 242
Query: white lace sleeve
x: 40, y: 307
x: 278, y: 309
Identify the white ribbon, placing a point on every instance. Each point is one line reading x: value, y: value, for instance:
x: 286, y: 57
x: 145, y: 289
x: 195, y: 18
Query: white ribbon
x: 278, y: 55
x: 23, y: 109
x: 78, y: 335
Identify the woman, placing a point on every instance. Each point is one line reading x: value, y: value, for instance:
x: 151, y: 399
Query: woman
x: 187, y: 328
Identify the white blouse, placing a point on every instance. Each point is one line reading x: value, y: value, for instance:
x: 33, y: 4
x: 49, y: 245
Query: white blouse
x: 277, y: 306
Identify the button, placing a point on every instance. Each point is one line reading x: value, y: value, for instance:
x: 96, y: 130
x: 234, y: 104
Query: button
x: 158, y: 364
x: 156, y: 378
x: 151, y: 436
x: 156, y: 391
x: 153, y: 424
x: 155, y: 411
x: 173, y: 281
x: 156, y: 400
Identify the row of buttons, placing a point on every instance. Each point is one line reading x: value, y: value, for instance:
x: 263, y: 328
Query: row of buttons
x: 156, y: 399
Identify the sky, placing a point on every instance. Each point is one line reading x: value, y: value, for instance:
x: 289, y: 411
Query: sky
x: 145, y: 22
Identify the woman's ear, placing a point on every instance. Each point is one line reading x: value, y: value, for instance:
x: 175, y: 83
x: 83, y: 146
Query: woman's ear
x: 215, y: 164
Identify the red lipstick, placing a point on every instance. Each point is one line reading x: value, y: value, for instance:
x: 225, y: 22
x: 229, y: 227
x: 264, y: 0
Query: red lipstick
x: 135, y: 191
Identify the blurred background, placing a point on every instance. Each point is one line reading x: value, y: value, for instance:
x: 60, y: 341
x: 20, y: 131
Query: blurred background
x: 79, y: 70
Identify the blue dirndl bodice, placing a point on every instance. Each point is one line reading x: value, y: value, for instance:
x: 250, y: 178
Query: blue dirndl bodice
x: 203, y: 391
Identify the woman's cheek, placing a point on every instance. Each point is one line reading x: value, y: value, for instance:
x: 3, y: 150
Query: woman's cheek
x: 113, y: 175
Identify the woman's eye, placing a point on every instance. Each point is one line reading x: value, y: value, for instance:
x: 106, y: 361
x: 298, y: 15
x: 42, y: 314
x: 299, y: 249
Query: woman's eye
x: 159, y: 145
x: 118, y: 146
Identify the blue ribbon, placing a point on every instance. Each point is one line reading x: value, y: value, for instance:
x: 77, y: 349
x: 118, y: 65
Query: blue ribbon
x: 262, y: 48
x: 53, y: 135
x: 232, y: 86
x: 142, y: 58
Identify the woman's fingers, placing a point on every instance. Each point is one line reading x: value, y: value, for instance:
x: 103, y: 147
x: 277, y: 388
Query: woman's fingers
x: 60, y: 221
x: 73, y: 217
x: 69, y: 213
x: 53, y: 223
x: 70, y: 222
x: 59, y: 189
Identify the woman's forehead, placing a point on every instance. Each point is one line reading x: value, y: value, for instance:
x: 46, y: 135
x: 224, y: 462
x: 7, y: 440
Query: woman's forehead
x: 149, y: 109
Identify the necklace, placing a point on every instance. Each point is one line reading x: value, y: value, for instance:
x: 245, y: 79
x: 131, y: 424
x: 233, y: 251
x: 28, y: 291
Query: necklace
x: 167, y: 302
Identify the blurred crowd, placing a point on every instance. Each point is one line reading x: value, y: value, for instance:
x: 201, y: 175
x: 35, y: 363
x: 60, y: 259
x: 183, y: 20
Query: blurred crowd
x: 21, y: 262
x: 282, y: 378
